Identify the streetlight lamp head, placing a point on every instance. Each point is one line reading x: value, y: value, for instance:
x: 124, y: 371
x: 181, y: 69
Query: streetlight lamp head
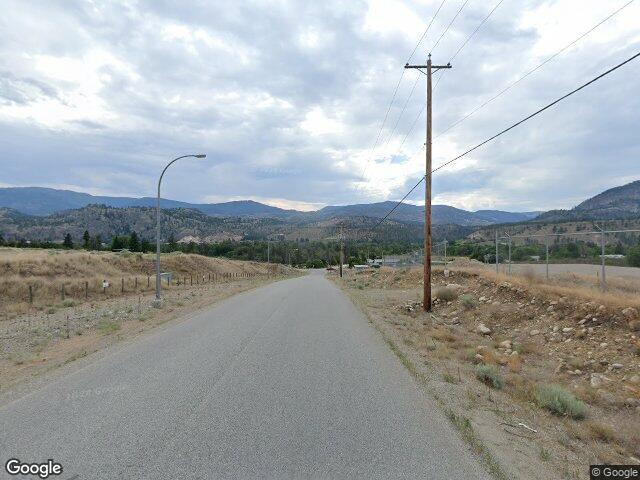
x: 201, y: 155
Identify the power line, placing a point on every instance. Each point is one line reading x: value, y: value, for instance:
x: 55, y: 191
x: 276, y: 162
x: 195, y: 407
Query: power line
x: 395, y: 91
x: 464, y: 44
x: 520, y: 122
x: 426, y: 31
x: 399, y: 203
x: 460, y: 48
x: 404, y: 107
x: 511, y: 85
x: 537, y: 112
x: 448, y: 26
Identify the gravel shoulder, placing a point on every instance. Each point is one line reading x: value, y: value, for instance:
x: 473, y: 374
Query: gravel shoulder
x: 596, y: 360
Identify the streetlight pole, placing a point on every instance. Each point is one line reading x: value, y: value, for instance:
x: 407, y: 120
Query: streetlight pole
x: 158, y: 282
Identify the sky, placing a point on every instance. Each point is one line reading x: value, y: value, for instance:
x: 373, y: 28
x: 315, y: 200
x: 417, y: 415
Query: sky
x: 287, y: 99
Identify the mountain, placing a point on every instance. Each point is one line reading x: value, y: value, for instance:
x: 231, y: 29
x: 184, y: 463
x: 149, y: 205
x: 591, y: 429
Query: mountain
x: 193, y: 225
x: 47, y: 201
x: 615, y: 203
x: 441, y: 214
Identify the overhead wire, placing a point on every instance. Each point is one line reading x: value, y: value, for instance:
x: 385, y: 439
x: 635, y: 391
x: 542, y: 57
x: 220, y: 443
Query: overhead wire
x: 404, y: 107
x: 520, y: 79
x: 460, y: 48
x: 511, y: 127
x: 395, y: 91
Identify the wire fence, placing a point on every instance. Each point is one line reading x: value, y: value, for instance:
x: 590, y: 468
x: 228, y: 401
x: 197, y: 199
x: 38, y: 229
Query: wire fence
x: 48, y: 317
x: 40, y: 293
x: 600, y: 234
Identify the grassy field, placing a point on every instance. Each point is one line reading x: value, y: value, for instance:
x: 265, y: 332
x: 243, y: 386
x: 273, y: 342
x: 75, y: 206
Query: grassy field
x: 51, y: 332
x: 57, y: 278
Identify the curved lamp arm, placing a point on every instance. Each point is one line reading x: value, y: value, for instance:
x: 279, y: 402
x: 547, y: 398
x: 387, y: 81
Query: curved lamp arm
x: 158, y: 283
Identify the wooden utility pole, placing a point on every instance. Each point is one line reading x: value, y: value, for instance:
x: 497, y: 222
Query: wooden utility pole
x: 426, y: 303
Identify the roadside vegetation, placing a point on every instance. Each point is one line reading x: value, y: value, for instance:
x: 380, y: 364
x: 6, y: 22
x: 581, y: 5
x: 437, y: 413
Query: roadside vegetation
x: 546, y: 374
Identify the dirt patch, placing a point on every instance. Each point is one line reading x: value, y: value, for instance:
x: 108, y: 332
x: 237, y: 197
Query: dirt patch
x: 546, y: 377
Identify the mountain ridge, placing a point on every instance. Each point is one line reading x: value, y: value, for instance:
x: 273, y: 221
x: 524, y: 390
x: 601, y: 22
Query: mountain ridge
x: 42, y: 201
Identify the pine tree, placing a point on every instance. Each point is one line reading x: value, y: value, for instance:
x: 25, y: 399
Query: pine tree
x: 145, y: 246
x: 172, y: 243
x: 134, y: 243
x: 86, y: 240
x: 68, y: 242
x: 116, y: 243
x: 96, y: 243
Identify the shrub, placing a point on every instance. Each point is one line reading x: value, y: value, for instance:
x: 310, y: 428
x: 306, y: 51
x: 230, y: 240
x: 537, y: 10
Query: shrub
x: 449, y: 378
x: 633, y: 256
x: 467, y: 301
x: 489, y: 375
x: 446, y: 294
x: 529, y: 275
x: 559, y: 401
x: 108, y: 327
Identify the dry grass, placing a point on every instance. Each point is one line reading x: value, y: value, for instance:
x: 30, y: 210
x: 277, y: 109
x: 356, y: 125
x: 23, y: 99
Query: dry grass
x: 620, y: 293
x: 47, y: 271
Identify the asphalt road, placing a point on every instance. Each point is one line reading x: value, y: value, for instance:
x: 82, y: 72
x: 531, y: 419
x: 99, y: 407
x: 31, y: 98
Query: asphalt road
x: 286, y: 381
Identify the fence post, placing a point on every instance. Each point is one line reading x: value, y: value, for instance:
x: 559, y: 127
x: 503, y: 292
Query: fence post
x: 191, y: 279
x: 603, y: 278
x: 68, y: 326
x: 546, y: 247
x: 497, y: 263
x: 86, y: 289
x: 30, y: 295
x: 62, y: 292
x: 122, y: 286
x: 136, y: 283
x: 445, y: 255
x: 147, y: 281
x: 509, y: 255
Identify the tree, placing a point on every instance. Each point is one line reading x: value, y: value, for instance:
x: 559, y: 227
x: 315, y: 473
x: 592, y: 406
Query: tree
x: 134, y: 243
x: 117, y: 243
x: 68, y: 241
x: 633, y: 256
x: 172, y: 243
x: 146, y: 246
x: 96, y: 242
x: 86, y: 240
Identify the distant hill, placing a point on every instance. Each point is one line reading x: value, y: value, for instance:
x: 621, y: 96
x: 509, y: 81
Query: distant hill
x: 616, y: 203
x: 441, y: 214
x: 47, y: 201
x: 192, y: 225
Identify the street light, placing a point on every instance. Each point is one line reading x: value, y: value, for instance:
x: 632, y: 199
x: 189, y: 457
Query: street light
x: 158, y: 282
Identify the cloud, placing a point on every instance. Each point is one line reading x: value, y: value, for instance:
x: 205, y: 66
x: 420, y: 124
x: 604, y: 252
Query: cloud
x: 287, y: 98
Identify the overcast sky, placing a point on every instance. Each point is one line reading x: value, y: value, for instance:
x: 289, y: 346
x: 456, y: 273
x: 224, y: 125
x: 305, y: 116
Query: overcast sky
x: 286, y: 98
